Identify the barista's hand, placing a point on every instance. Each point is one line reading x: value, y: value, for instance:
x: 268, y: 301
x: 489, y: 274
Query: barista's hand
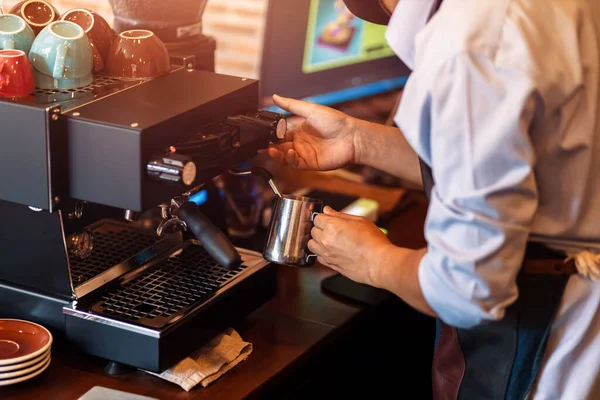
x: 350, y: 245
x: 324, y: 141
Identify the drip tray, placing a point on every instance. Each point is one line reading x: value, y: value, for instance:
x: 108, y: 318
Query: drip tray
x: 118, y: 248
x: 158, y: 295
x: 113, y: 244
x: 157, y: 314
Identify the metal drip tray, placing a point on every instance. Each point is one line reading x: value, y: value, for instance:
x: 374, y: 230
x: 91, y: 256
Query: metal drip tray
x: 119, y: 248
x: 156, y: 315
x: 166, y: 291
x: 112, y: 245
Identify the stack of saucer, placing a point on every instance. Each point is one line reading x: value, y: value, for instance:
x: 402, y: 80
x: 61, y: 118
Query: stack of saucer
x: 24, y: 350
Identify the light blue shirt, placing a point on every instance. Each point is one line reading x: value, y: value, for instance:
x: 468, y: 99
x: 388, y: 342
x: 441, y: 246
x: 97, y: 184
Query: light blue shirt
x: 503, y: 104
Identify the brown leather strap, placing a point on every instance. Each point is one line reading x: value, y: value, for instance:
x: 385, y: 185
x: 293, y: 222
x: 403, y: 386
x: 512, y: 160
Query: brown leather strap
x: 448, y: 364
x: 435, y: 8
x: 549, y: 267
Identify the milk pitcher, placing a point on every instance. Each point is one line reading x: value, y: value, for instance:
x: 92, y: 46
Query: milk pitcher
x: 292, y: 220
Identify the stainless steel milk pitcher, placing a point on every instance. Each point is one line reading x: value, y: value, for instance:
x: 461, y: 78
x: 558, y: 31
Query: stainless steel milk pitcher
x: 292, y: 220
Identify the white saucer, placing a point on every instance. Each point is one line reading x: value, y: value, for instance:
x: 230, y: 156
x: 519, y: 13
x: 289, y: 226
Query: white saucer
x: 26, y: 377
x: 25, y: 371
x: 14, y: 367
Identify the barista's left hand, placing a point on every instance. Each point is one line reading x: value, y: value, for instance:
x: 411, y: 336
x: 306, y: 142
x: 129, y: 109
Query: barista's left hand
x: 350, y: 245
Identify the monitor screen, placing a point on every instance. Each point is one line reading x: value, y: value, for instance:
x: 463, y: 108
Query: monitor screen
x: 318, y: 51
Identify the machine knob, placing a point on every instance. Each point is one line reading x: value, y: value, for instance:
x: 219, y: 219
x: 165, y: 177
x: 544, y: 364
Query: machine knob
x: 172, y: 167
x: 275, y: 123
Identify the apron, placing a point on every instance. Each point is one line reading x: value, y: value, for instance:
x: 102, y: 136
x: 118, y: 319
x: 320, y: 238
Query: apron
x: 500, y: 359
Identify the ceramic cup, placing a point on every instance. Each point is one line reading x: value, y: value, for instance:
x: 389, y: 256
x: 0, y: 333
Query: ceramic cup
x: 138, y: 54
x: 16, y: 76
x: 15, y: 34
x: 62, y: 57
x: 37, y: 13
x: 99, y: 32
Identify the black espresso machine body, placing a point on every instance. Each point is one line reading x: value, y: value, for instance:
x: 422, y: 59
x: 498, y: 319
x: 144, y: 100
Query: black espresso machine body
x: 89, y: 181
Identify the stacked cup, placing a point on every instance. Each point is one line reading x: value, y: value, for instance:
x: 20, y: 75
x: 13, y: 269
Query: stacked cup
x: 99, y: 33
x: 16, y: 76
x: 24, y: 350
x: 62, y: 57
x: 36, y: 13
x: 40, y: 48
x: 16, y: 38
x: 15, y: 33
x: 18, y: 30
x: 138, y: 54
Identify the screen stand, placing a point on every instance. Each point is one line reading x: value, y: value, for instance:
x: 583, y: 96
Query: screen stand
x: 343, y: 288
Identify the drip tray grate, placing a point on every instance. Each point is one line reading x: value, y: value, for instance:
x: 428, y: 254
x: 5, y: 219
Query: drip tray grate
x: 68, y: 99
x: 98, y: 83
x: 111, y: 247
x: 173, y: 286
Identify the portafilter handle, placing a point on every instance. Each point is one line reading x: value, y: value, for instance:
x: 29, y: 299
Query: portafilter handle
x: 212, y: 238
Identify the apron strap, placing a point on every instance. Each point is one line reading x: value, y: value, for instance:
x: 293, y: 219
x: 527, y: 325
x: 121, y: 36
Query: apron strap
x: 436, y: 8
x: 427, y: 177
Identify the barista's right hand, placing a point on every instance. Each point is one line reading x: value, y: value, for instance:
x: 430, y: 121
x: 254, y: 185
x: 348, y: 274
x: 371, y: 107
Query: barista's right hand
x: 324, y: 141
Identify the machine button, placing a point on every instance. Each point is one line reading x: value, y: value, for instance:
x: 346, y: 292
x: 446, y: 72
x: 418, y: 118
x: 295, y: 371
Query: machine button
x: 173, y: 167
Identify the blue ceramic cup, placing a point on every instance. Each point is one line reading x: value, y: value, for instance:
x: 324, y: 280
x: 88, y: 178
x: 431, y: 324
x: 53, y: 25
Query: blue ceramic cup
x: 15, y: 33
x: 62, y: 57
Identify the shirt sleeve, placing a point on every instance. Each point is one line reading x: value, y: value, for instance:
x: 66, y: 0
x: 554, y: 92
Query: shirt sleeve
x: 470, y: 122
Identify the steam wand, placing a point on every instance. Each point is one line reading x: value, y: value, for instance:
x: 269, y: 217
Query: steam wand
x: 260, y: 172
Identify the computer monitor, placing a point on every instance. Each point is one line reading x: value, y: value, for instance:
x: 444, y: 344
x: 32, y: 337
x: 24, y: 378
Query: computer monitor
x: 318, y: 51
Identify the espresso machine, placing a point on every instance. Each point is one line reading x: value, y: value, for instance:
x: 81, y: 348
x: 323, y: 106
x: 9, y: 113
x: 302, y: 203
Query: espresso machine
x: 112, y: 231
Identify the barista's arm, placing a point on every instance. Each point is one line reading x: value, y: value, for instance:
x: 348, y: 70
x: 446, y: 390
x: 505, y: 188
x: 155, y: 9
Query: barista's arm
x: 385, y: 148
x: 356, y: 248
x: 398, y: 273
x: 328, y: 139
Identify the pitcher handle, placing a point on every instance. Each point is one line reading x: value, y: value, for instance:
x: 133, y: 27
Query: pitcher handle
x: 311, y: 257
x: 313, y: 216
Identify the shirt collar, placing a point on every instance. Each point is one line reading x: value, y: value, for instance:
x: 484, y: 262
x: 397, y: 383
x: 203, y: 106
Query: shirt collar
x: 408, y: 19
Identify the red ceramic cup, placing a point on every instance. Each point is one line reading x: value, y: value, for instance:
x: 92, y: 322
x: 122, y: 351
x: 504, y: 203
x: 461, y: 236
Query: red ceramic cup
x: 37, y: 13
x: 16, y: 74
x: 138, y: 54
x: 99, y: 32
